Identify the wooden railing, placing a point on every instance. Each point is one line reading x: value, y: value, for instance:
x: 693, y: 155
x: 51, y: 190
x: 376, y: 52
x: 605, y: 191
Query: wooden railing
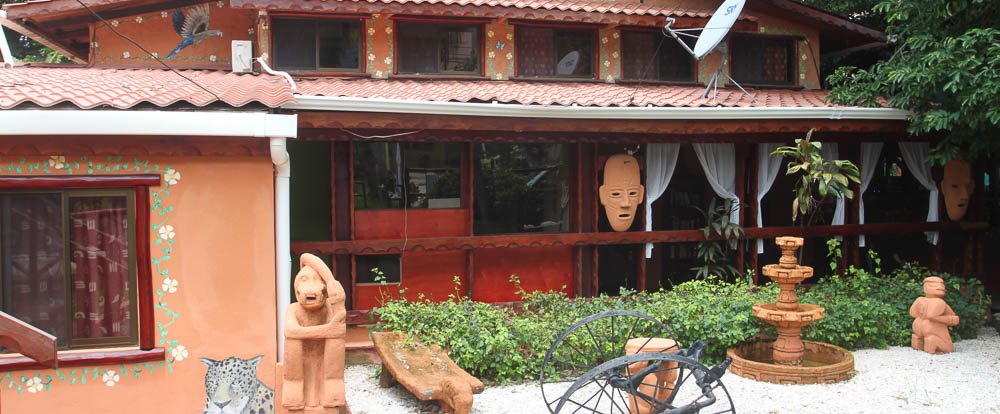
x: 28, y: 340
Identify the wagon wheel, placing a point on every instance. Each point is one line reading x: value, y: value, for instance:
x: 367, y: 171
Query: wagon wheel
x: 649, y: 383
x: 593, y: 341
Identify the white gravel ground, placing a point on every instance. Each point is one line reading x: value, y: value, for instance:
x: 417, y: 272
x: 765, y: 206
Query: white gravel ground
x: 895, y: 380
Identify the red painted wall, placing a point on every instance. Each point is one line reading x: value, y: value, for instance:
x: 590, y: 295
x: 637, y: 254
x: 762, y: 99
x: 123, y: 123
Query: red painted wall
x: 545, y: 269
x: 426, y: 273
x: 389, y: 224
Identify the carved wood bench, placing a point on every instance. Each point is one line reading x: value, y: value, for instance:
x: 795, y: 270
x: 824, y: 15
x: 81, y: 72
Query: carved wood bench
x: 426, y: 371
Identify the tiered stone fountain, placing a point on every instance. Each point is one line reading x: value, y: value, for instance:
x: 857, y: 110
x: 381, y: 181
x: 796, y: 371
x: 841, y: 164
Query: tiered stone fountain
x: 789, y: 359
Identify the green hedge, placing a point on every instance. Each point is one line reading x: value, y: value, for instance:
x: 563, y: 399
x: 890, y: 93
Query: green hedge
x: 862, y: 311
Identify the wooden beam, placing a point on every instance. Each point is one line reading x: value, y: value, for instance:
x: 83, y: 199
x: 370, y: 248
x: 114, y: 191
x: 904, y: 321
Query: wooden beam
x: 28, y: 340
x: 47, y: 40
x: 607, y: 238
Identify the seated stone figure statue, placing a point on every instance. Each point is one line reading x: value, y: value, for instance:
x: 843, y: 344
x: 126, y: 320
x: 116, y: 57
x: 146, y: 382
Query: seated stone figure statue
x: 933, y: 316
x: 314, y: 341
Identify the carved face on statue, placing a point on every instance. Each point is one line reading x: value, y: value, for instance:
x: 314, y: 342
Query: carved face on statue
x: 310, y: 291
x: 934, y: 287
x: 957, y: 187
x: 622, y: 191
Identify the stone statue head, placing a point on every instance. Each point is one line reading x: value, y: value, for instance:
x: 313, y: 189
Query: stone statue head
x: 310, y: 287
x: 957, y: 187
x: 934, y: 287
x: 622, y: 190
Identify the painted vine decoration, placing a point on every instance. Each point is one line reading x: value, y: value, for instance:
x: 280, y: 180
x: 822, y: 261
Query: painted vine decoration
x: 160, y: 253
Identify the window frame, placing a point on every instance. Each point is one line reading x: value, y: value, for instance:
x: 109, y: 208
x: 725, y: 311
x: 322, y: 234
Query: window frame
x: 143, y: 348
x: 362, y: 69
x: 478, y: 23
x: 792, y: 42
x: 464, y: 198
x: 595, y: 51
x: 635, y: 29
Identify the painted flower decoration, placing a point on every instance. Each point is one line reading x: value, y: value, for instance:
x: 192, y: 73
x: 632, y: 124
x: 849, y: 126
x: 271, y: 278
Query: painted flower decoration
x: 509, y: 56
x: 610, y: 79
x: 126, y: 55
x: 114, y: 23
x: 804, y: 56
x: 604, y: 40
x: 492, y: 54
x: 607, y: 63
x: 213, y: 58
x: 802, y: 76
x: 510, y: 36
x: 179, y: 353
x: 169, y: 285
x: 388, y: 30
x: 57, y: 161
x: 163, y: 14
x: 378, y: 74
x: 220, y: 4
x: 388, y: 60
x: 172, y: 176
x: 490, y: 34
x: 156, y: 55
x: 167, y: 232
x: 371, y: 57
x: 614, y: 35
x: 96, y: 45
x: 614, y: 54
x: 110, y: 378
x: 34, y: 384
x: 498, y: 76
x: 138, y: 19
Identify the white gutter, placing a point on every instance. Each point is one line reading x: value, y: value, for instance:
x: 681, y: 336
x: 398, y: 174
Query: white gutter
x: 8, y: 58
x: 174, y: 123
x: 282, y: 237
x: 405, y: 106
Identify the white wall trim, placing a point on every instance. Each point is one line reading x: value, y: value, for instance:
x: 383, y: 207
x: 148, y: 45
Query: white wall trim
x: 150, y: 123
x: 404, y: 106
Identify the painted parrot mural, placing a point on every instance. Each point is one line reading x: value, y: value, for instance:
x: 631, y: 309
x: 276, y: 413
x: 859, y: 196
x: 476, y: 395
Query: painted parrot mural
x: 192, y: 27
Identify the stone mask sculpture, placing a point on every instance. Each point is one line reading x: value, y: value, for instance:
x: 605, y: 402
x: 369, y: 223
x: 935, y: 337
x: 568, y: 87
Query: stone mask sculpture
x: 932, y: 317
x: 957, y: 187
x: 622, y: 190
x: 315, y: 327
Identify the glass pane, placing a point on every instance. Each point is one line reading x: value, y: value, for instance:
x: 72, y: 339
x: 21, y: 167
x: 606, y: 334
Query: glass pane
x: 460, y: 49
x: 34, y: 270
x: 339, y: 44
x: 294, y: 44
x: 377, y: 268
x: 535, y: 50
x: 430, y: 171
x: 310, y: 190
x: 418, y: 47
x: 676, y: 64
x: 99, y: 245
x: 574, y: 53
x: 762, y: 61
x: 637, y: 55
x: 521, y: 188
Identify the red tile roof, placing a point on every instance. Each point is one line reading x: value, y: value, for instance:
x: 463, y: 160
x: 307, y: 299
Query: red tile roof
x: 557, y: 93
x: 597, y: 6
x: 124, y: 88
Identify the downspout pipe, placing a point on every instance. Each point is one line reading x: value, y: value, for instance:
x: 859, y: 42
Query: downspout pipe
x: 282, y: 237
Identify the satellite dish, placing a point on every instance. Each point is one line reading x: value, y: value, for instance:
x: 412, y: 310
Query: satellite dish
x: 567, y: 65
x: 718, y: 26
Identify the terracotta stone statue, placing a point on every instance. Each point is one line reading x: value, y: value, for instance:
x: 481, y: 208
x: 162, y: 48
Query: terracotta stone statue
x: 622, y: 190
x: 957, y: 187
x: 933, y: 316
x: 658, y: 385
x: 313, y: 370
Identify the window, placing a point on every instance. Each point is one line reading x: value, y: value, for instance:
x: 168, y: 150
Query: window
x: 68, y: 264
x: 317, y: 45
x: 414, y: 175
x: 763, y: 60
x: 555, y: 53
x: 653, y: 56
x: 377, y: 268
x: 439, y: 48
x: 521, y: 188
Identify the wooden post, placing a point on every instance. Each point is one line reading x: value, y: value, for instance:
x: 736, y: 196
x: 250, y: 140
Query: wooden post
x: 741, y: 181
x: 753, y: 170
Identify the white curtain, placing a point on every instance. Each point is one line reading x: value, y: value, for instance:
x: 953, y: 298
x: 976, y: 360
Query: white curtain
x: 830, y: 152
x: 915, y: 156
x: 767, y: 170
x: 661, y: 159
x: 719, y: 163
x: 870, y: 151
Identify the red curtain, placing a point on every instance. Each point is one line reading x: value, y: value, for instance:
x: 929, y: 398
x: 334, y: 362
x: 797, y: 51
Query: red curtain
x: 100, y: 271
x: 34, y: 282
x: 535, y: 51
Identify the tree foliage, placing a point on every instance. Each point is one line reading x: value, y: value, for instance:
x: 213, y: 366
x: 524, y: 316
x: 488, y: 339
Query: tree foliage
x: 945, y: 68
x: 26, y: 50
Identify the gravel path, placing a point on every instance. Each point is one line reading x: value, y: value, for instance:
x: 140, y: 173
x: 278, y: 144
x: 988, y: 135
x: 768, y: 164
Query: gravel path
x: 898, y: 379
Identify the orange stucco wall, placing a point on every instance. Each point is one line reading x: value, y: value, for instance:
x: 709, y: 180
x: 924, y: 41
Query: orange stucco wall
x: 222, y: 257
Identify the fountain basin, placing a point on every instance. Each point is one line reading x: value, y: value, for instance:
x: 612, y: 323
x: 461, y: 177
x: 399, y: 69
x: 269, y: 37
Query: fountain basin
x: 802, y: 315
x: 821, y: 364
x: 787, y: 274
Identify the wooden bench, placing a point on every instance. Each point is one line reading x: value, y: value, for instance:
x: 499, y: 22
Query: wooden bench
x: 426, y: 371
